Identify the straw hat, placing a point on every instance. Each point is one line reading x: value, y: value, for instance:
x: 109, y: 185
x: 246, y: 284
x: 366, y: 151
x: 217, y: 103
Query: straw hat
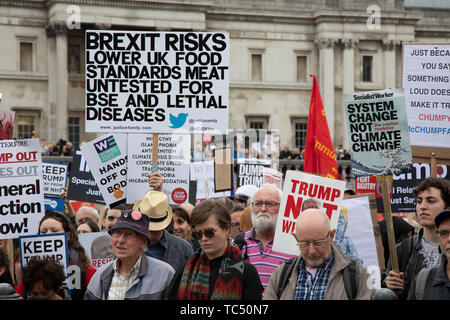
x: 156, y: 206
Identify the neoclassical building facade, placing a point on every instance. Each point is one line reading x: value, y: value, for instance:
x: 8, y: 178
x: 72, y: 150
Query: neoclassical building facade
x: 350, y: 45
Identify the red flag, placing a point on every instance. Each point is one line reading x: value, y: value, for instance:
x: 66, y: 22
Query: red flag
x: 319, y: 152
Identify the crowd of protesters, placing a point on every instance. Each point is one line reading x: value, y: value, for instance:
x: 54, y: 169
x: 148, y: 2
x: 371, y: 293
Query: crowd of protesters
x: 223, y: 250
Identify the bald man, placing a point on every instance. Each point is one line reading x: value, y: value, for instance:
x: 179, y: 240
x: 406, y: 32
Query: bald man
x: 320, y: 263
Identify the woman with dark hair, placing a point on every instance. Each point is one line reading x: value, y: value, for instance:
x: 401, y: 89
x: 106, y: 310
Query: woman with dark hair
x: 182, y: 227
x: 43, y: 279
x: 217, y: 271
x: 55, y: 222
x: 87, y: 226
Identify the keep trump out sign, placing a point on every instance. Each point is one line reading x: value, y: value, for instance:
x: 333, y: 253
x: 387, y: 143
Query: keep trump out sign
x: 299, y: 192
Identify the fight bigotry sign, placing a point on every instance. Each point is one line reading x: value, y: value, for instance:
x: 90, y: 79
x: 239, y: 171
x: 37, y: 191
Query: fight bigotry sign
x: 156, y: 82
x: 299, y: 187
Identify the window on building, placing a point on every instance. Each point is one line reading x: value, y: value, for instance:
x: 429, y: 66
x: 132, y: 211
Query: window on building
x: 301, y: 69
x: 25, y: 127
x: 26, y: 56
x: 74, y: 131
x: 300, y: 133
x: 367, y: 68
x: 257, y: 122
x: 256, y: 67
x: 74, y: 58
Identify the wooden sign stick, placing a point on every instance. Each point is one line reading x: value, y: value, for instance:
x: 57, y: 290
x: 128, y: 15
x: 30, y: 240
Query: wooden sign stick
x: 433, y: 165
x: 389, y: 224
x: 155, y: 153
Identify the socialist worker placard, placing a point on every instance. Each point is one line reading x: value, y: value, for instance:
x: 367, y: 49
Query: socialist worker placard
x: 378, y: 132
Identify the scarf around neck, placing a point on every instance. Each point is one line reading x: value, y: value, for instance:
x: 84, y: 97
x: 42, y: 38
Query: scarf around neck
x: 194, y: 284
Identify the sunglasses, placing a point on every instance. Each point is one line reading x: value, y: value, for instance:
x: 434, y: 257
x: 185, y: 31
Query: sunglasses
x: 208, y: 232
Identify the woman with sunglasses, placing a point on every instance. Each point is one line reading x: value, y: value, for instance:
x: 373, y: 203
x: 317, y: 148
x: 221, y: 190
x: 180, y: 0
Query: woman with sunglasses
x: 219, y: 261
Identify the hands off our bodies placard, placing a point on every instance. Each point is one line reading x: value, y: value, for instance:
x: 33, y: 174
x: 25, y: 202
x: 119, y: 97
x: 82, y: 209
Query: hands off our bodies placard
x: 378, y: 132
x: 156, y: 82
x: 299, y: 187
x: 107, y: 158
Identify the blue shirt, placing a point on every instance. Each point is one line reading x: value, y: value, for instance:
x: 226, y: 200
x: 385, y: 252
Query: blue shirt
x: 311, y: 287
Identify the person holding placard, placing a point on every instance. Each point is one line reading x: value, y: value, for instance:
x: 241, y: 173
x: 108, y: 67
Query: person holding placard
x: 319, y: 272
x: 217, y: 271
x: 421, y: 251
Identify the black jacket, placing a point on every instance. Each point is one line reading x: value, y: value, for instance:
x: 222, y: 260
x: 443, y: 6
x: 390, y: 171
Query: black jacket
x: 410, y: 261
x: 437, y: 286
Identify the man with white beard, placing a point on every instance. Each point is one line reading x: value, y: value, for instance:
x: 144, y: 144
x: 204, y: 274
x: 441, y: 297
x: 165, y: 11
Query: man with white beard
x: 256, y: 244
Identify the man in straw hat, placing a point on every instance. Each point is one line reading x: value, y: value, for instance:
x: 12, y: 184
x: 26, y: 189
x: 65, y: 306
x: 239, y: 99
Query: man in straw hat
x: 163, y: 245
x: 132, y: 275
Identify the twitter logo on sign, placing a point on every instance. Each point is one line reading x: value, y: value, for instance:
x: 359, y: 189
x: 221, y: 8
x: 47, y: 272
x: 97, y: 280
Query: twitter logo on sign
x: 177, y: 121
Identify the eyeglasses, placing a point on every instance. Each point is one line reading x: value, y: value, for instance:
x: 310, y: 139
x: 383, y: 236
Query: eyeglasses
x: 208, y: 232
x: 269, y: 204
x: 235, y: 224
x: 316, y: 243
x: 127, y: 235
x: 443, y: 233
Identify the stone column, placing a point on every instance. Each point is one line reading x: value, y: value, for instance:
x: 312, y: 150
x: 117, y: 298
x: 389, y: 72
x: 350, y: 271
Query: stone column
x: 326, y: 79
x: 348, y: 72
x: 389, y: 63
x: 50, y: 123
x: 58, y: 80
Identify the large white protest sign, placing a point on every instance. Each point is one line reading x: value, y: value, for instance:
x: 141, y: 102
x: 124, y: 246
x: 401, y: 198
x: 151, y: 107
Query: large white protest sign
x: 203, y: 173
x: 21, y: 194
x: 360, y: 230
x: 378, y: 132
x: 299, y: 187
x: 173, y: 164
x: 156, y: 82
x: 425, y: 79
x: 107, y: 159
